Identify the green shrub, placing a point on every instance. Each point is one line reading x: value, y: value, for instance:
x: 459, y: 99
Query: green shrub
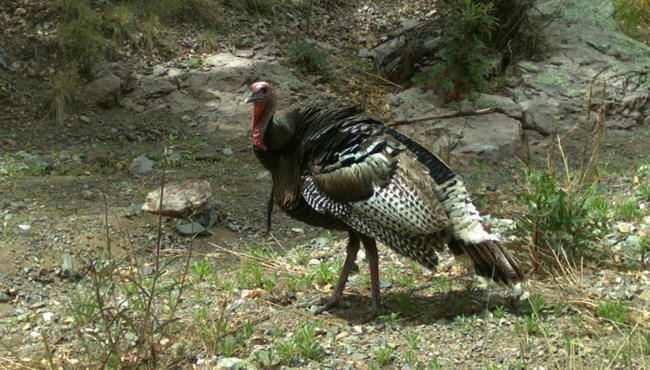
x: 465, y: 63
x: 613, y: 311
x: 80, y: 38
x: 560, y: 222
x: 307, y: 58
x: 632, y: 15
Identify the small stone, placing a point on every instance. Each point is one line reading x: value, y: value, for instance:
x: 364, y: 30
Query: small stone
x: 645, y: 295
x: 148, y: 270
x: 179, y: 200
x: 227, y: 151
x: 83, y: 118
x: 159, y: 70
x: 4, y: 297
x: 141, y: 166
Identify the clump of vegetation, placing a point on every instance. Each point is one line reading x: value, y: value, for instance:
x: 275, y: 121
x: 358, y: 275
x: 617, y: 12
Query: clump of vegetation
x: 80, y: 35
x: 561, y: 222
x: 207, y: 40
x: 303, y: 345
x: 464, y: 66
x: 613, y: 311
x: 633, y: 16
x: 307, y: 58
x: 64, y: 87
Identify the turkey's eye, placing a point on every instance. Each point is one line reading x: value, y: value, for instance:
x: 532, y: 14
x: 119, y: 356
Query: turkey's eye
x: 264, y: 89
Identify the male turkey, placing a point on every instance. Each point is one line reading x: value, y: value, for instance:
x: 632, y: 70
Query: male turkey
x: 338, y: 170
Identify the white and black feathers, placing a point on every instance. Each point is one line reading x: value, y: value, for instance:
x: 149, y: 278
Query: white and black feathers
x: 338, y: 170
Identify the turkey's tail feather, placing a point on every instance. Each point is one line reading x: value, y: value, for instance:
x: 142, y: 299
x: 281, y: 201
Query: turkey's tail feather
x: 490, y: 260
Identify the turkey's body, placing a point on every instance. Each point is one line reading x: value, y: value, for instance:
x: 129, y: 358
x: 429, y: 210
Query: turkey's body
x: 337, y: 170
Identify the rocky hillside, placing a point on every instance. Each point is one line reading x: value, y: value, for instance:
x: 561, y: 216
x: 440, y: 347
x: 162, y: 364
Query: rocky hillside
x: 90, y: 280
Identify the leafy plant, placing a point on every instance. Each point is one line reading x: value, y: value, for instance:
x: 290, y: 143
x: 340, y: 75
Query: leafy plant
x: 499, y: 311
x: 632, y: 15
x: 644, y: 192
x: 629, y: 210
x: 384, y: 355
x: 464, y: 65
x: 559, y: 222
x: 201, y: 269
x: 302, y: 344
x: 613, y: 311
x: 207, y: 39
x: 307, y: 58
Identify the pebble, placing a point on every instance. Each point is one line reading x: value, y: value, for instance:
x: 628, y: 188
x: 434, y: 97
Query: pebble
x: 87, y: 195
x: 4, y: 297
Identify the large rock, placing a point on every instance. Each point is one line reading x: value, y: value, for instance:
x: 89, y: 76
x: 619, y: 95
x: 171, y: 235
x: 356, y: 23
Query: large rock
x: 541, y: 115
x: 179, y: 200
x: 490, y: 138
x: 104, y: 91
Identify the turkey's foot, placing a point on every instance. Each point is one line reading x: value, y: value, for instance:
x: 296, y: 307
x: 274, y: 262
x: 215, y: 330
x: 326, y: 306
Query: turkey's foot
x: 325, y: 303
x: 370, y: 314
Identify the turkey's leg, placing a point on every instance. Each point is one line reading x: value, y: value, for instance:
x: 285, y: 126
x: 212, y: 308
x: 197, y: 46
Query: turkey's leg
x: 330, y: 301
x: 269, y: 213
x: 373, y: 260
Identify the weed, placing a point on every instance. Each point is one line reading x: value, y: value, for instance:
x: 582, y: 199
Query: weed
x: 629, y: 210
x: 442, y: 283
x: 645, y: 343
x: 464, y: 67
x: 434, y: 364
x: 559, y: 222
x: 499, y: 312
x: 469, y: 287
x: 531, y: 324
x: 644, y: 192
x: 307, y: 58
x: 286, y: 349
x: 268, y: 359
x: 121, y: 21
x: 632, y: 15
x: 201, y: 269
x: 406, y: 281
x: 613, y: 311
x: 410, y: 358
x: 327, y: 272
x: 302, y: 344
x: 194, y: 63
x: 116, y: 306
x: 413, y: 340
x: 207, y: 40
x: 537, y: 303
x: 384, y: 355
x: 305, y: 339
x: 62, y: 95
x: 466, y: 321
x: 80, y: 37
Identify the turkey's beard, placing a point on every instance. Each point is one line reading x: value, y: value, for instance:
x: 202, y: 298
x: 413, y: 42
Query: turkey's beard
x: 261, y: 117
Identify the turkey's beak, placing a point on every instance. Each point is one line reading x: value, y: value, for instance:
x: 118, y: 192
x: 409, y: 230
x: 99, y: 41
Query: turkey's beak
x: 250, y: 98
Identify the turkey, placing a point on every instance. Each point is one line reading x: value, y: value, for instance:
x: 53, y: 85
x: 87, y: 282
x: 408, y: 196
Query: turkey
x: 338, y: 170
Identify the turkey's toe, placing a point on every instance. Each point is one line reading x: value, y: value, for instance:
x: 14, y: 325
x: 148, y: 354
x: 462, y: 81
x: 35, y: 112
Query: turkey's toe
x: 324, y: 303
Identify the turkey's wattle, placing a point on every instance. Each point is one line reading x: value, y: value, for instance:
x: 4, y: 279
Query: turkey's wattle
x: 338, y: 170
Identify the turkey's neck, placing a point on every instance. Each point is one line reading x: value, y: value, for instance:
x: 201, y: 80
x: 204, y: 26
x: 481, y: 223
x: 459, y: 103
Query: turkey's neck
x: 268, y: 134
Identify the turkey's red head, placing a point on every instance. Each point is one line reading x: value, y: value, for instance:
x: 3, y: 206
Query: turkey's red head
x: 263, y: 98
